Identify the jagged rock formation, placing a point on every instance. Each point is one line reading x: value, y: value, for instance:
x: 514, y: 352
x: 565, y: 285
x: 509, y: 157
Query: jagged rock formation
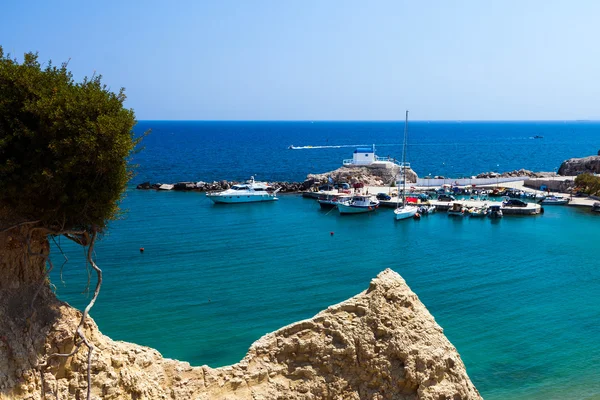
x: 370, y: 176
x: 516, y: 173
x: 380, y: 344
x: 576, y: 166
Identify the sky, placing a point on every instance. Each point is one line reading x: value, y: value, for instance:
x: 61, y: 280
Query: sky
x: 325, y: 59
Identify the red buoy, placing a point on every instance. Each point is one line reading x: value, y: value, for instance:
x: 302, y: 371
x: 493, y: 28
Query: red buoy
x: 331, y: 233
x: 141, y: 249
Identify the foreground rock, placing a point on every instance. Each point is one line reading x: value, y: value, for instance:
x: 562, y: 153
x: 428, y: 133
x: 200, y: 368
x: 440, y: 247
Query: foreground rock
x: 380, y: 344
x: 576, y: 166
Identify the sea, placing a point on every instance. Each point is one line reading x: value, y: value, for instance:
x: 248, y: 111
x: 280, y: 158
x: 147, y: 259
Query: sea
x: 518, y: 297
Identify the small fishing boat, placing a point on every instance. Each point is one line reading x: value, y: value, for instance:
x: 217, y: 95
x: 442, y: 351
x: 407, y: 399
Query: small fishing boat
x: 358, y: 204
x: 329, y: 201
x: 494, y: 212
x: 554, y: 200
x: 478, y: 212
x: 457, y: 210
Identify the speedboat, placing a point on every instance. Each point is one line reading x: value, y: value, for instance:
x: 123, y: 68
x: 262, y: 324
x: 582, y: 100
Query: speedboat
x: 555, y: 200
x: 248, y: 192
x: 358, y: 204
x: 494, y: 212
x: 426, y: 209
x: 329, y: 201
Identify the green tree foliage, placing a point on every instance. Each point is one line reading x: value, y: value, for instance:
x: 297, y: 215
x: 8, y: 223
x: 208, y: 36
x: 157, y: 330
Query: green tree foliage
x: 64, y: 145
x: 588, y: 183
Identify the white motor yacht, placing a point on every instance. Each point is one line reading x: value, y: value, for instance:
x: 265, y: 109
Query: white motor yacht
x: 248, y: 192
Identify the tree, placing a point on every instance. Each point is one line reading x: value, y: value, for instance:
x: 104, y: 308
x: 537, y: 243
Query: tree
x: 63, y: 145
x: 589, y: 183
x: 64, y: 149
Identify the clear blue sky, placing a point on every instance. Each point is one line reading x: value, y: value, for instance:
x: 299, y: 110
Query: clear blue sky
x: 326, y: 60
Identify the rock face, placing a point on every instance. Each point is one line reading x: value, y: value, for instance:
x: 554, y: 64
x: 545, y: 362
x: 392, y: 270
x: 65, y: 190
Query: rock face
x: 380, y: 344
x: 576, y: 166
x: 370, y: 176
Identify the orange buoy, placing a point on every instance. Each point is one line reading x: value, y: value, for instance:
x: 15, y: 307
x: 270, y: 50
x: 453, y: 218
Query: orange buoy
x: 331, y: 233
x: 141, y: 249
x: 417, y: 216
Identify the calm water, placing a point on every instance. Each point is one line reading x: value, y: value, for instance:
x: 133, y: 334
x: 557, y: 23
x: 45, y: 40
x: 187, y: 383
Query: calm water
x: 517, y: 297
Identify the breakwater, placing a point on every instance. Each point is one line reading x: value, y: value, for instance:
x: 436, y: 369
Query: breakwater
x: 284, y: 187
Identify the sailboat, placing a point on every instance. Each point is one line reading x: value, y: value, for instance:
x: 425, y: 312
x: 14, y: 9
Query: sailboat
x: 404, y: 211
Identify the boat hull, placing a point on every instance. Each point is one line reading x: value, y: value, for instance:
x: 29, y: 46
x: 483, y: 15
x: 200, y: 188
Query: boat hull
x: 350, y: 209
x: 405, y: 212
x: 227, y: 199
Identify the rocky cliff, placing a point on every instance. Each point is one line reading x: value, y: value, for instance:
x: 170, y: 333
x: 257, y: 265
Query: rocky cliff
x: 380, y: 344
x: 576, y: 166
x: 368, y: 175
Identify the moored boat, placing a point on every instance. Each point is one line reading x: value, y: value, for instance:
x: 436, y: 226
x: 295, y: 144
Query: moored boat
x: 478, y: 212
x: 358, y: 204
x: 457, y: 210
x: 404, y: 210
x: 329, y: 201
x: 554, y: 200
x: 248, y: 192
x: 494, y: 212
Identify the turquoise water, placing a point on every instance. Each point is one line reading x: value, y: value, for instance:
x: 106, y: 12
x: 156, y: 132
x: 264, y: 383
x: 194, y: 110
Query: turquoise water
x: 518, y: 297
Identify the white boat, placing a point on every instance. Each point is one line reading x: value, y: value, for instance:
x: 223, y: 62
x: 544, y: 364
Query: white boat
x: 248, y: 192
x: 457, y: 210
x: 426, y: 209
x: 405, y: 210
x: 555, y: 200
x: 358, y: 204
x: 329, y: 201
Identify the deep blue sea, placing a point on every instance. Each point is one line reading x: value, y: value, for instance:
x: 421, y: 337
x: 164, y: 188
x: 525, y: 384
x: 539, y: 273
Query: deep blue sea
x: 518, y: 297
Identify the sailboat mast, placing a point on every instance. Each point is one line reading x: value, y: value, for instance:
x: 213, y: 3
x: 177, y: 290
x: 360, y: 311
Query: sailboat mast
x: 404, y: 161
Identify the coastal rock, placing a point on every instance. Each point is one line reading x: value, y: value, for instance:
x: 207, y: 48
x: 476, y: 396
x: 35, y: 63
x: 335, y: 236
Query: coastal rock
x: 369, y: 176
x: 380, y: 344
x: 576, y: 166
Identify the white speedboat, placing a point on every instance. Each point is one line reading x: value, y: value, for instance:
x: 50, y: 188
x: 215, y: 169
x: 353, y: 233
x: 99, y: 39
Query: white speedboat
x: 248, y: 192
x: 358, y: 204
x: 555, y: 200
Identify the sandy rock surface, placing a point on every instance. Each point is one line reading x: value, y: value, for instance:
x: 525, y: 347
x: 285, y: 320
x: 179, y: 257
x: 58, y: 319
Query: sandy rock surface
x: 380, y: 344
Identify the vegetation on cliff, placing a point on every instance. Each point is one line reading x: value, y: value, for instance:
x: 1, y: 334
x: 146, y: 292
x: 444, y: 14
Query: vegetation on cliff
x: 64, y: 149
x: 589, y: 184
x: 63, y: 145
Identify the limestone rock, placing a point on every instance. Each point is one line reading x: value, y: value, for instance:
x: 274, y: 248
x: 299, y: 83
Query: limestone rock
x: 380, y: 344
x: 576, y: 166
x: 368, y: 175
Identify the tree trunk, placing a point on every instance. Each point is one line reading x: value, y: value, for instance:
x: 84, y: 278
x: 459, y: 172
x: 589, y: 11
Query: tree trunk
x: 28, y: 307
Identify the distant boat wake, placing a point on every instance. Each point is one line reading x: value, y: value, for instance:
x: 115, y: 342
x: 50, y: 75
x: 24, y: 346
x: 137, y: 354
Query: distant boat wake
x: 335, y: 146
